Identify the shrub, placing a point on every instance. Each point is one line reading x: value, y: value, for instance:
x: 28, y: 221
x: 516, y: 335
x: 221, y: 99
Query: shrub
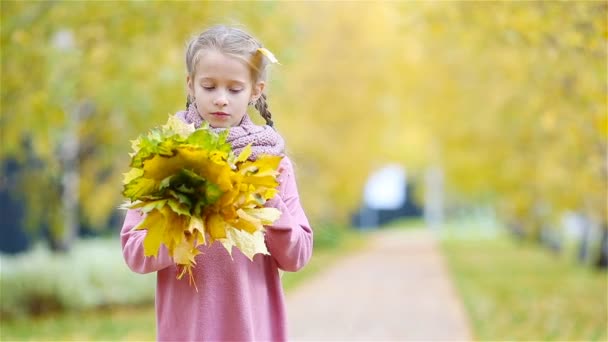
x: 91, y: 275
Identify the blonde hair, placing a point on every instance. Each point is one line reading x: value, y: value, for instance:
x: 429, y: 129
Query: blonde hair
x: 237, y: 43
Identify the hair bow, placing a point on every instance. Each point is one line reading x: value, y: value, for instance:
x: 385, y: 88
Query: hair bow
x: 269, y: 55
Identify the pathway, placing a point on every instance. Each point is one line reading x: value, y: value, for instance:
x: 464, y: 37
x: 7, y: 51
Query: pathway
x: 398, y: 289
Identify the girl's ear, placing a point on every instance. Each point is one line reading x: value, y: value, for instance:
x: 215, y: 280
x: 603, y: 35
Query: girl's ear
x: 190, y: 86
x: 257, y: 90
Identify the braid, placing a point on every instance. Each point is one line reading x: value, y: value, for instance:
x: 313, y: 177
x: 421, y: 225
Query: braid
x: 262, y: 107
x: 188, y: 102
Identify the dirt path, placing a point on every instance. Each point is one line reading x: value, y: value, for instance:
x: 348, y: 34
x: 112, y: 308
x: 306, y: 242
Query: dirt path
x: 398, y: 289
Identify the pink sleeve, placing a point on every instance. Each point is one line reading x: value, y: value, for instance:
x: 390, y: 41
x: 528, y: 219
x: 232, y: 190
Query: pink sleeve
x: 133, y: 247
x: 289, y: 239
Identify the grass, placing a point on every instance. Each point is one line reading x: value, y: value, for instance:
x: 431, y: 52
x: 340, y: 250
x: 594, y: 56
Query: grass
x: 138, y: 323
x: 117, y: 324
x: 91, y: 275
x: 520, y: 291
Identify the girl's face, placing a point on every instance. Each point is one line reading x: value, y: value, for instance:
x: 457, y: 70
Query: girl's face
x: 222, y: 88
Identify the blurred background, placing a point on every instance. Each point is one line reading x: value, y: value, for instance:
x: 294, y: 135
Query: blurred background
x: 485, y: 123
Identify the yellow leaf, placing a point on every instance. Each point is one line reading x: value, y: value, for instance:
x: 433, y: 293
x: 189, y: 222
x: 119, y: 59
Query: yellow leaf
x: 218, y: 171
x: 251, y: 223
x: 269, y: 55
x: 175, y: 226
x: 154, y: 223
x: 245, y: 153
x: 185, y: 252
x: 248, y: 244
x: 265, y: 165
x: 180, y: 127
x: 197, y: 226
x: 218, y: 174
x: 217, y: 226
x: 247, y: 225
x: 265, y: 215
x: 228, y: 197
x: 228, y: 243
x: 270, y: 193
x: 196, y: 223
x: 266, y: 181
x: 268, y: 163
x: 159, y: 167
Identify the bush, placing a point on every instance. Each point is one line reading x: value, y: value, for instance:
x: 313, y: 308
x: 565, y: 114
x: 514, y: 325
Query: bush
x: 92, y: 275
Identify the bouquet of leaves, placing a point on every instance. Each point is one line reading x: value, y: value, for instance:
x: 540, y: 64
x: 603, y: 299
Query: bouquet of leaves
x: 194, y: 190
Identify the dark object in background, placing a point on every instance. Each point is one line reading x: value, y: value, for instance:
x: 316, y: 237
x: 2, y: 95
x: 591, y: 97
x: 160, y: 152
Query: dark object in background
x: 367, y: 217
x: 14, y: 238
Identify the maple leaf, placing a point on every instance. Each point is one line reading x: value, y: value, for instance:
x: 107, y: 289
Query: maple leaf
x: 248, y: 244
x: 154, y: 223
x: 178, y: 126
x: 194, y: 191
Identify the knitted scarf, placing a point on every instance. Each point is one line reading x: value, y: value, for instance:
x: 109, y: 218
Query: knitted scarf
x: 263, y: 139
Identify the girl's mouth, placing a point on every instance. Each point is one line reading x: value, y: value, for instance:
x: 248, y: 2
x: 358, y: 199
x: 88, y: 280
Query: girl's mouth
x: 220, y: 114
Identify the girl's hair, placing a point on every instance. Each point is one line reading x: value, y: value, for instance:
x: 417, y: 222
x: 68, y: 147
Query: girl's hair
x: 237, y: 43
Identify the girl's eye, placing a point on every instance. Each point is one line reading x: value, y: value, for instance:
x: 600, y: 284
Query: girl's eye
x: 235, y: 91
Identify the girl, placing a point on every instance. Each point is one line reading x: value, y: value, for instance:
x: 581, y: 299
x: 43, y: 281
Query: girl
x: 237, y: 299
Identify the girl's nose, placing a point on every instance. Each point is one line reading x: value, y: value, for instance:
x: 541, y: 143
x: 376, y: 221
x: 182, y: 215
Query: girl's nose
x: 220, y: 101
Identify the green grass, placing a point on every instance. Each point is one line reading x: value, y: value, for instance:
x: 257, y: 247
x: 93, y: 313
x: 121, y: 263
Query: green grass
x: 138, y: 323
x: 520, y: 291
x: 117, y: 324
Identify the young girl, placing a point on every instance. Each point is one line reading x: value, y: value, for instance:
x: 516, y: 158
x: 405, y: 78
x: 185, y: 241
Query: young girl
x: 237, y: 299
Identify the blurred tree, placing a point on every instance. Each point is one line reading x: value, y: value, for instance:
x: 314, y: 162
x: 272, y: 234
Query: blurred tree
x: 527, y: 85
x: 508, y: 99
x: 124, y: 74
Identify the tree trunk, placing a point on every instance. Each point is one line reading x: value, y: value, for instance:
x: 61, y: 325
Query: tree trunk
x: 583, y: 249
x: 551, y: 240
x: 70, y: 182
x: 433, y: 197
x: 515, y: 227
x: 602, y: 259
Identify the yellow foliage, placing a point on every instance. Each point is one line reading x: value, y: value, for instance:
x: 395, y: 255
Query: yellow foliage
x: 502, y: 95
x: 194, y: 192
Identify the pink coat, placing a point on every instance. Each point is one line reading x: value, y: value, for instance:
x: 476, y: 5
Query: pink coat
x: 237, y: 300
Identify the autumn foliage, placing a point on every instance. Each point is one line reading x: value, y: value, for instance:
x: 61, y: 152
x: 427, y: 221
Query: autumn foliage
x: 194, y: 191
x: 508, y: 99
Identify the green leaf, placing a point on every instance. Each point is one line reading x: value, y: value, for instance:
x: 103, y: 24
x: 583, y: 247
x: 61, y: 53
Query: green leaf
x: 191, y: 178
x: 168, y: 146
x: 181, y: 198
x: 139, y: 187
x: 165, y: 183
x: 179, y: 207
x: 202, y: 138
x: 212, y: 193
x: 185, y: 189
x: 149, y: 206
x: 132, y: 174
